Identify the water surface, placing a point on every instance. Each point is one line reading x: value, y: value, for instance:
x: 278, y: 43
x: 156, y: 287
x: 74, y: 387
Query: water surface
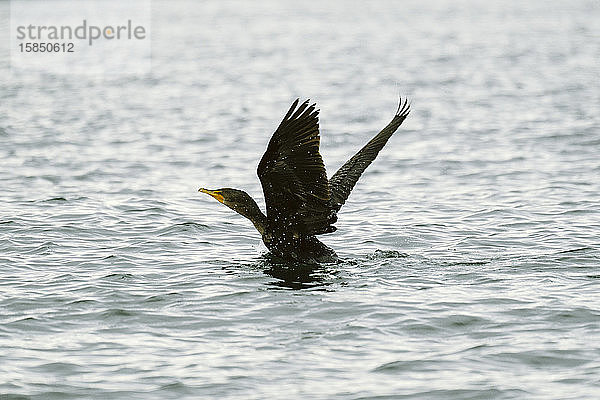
x: 470, y: 247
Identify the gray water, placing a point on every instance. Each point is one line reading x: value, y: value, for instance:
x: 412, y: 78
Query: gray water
x: 470, y: 247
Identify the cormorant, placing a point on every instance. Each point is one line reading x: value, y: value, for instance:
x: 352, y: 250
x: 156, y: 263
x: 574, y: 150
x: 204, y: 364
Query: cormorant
x: 301, y: 202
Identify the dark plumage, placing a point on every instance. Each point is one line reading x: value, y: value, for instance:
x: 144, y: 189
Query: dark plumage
x: 301, y: 202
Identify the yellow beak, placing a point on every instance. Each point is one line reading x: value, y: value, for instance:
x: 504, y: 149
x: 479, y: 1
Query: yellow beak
x: 213, y: 193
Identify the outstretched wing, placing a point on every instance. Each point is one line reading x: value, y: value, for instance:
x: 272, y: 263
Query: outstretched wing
x: 342, y: 182
x: 293, y: 176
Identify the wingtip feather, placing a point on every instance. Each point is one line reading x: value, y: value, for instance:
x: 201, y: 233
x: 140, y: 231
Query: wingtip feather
x: 403, y: 107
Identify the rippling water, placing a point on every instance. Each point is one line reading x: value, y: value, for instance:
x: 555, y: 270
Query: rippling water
x: 470, y: 247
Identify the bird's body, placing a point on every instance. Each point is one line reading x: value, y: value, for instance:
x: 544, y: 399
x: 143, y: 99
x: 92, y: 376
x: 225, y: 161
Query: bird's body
x: 301, y: 202
x: 298, y: 247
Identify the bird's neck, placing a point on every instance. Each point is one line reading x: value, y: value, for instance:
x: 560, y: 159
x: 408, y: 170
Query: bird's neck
x: 254, y: 214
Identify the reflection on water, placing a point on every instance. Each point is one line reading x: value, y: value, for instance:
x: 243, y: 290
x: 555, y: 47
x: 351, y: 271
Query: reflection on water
x: 297, y: 275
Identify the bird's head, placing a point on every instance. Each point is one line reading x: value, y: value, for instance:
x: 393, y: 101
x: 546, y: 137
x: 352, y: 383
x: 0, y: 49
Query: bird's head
x: 240, y: 202
x: 237, y: 200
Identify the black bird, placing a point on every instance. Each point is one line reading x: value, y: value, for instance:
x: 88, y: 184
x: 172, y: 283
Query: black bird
x: 301, y: 202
